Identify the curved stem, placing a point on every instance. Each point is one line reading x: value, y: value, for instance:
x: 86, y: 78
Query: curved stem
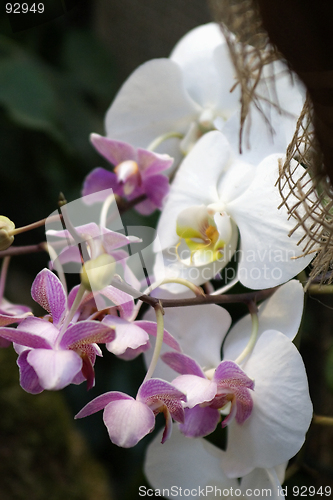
x: 105, y: 207
x: 198, y: 291
x: 170, y: 135
x: 34, y: 225
x: 159, y: 340
x: 254, y: 334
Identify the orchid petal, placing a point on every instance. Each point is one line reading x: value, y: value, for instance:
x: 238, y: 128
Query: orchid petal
x: 264, y: 480
x: 152, y: 102
x: 267, y: 252
x: 199, y: 421
x: 151, y: 163
x: 55, y: 369
x: 97, y: 183
x: 182, y: 364
x: 128, y: 421
x: 190, y: 187
x: 25, y: 338
x: 156, y: 188
x: 281, y: 312
x: 86, y: 332
x: 122, y: 300
x: 187, y: 463
x: 207, y: 82
x: 28, y: 377
x: 113, y: 151
x: 48, y: 292
x: 197, y: 389
x: 272, y: 434
x: 128, y: 335
x: 156, y: 389
x: 101, y: 402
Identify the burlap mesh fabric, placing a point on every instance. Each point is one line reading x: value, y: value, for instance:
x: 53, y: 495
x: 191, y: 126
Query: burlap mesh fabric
x: 309, y: 199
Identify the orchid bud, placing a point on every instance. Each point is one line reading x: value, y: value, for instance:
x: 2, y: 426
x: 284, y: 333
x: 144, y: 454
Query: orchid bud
x: 97, y: 274
x: 6, y: 226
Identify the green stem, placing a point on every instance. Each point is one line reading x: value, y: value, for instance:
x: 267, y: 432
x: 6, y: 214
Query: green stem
x: 34, y: 225
x: 254, y: 334
x: 170, y: 135
x: 322, y: 420
x: 159, y: 340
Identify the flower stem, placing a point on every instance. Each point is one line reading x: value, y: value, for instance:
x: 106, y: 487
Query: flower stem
x: 322, y: 420
x: 159, y: 340
x: 170, y: 135
x: 34, y: 225
x: 320, y: 289
x: 198, y: 291
x: 104, y: 212
x: 254, y: 333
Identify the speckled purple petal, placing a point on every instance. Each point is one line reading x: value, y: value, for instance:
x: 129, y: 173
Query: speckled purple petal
x: 182, y: 364
x: 230, y: 374
x: 100, y: 403
x: 155, y: 390
x: 48, y: 292
x: 24, y: 338
x: 86, y: 332
x: 199, y: 421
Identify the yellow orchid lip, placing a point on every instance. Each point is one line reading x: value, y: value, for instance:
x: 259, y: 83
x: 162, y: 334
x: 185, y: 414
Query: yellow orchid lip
x: 205, y: 234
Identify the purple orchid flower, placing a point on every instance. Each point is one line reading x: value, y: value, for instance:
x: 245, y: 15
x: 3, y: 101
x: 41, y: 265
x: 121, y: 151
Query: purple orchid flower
x: 207, y: 394
x: 131, y: 337
x: 137, y: 171
x: 52, y: 353
x: 128, y: 420
x: 10, y: 314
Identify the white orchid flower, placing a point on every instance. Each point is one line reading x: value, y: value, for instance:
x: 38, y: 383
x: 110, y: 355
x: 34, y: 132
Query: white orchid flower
x: 189, y: 94
x: 280, y: 411
x: 195, y: 465
x: 214, y: 196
